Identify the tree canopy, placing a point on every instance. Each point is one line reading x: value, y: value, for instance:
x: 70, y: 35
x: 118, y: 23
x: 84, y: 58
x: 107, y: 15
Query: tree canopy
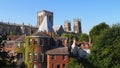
x: 73, y: 63
x: 105, y: 52
x: 97, y: 30
x: 83, y: 37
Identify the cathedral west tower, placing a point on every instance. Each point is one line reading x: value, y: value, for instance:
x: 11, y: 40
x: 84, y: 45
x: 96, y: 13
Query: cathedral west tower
x: 77, y: 26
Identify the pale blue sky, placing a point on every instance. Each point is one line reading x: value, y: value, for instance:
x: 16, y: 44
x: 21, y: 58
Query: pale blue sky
x: 91, y: 12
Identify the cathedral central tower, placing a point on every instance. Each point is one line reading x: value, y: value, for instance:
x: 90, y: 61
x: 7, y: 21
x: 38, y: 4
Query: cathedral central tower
x: 41, y: 15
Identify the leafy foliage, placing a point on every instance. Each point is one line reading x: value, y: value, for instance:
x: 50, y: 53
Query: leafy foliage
x: 69, y: 36
x: 73, y: 63
x: 97, y: 30
x: 6, y: 61
x: 105, y: 51
x: 83, y: 37
x: 28, y: 49
x: 83, y: 63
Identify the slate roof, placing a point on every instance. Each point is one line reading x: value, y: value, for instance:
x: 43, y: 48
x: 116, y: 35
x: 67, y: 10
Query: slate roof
x: 14, y: 37
x: 45, y: 25
x: 42, y: 34
x: 21, y: 38
x: 9, y: 43
x: 60, y: 50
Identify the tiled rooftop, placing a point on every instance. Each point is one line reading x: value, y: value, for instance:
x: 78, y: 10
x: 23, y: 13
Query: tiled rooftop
x: 60, y: 50
x: 21, y: 38
x: 40, y: 34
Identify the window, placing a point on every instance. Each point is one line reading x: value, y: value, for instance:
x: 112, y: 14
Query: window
x: 58, y: 65
x: 30, y: 41
x: 35, y: 56
x: 34, y: 66
x: 53, y: 57
x: 41, y: 57
x: 29, y: 56
x: 41, y: 42
x: 23, y: 44
x: 63, y: 66
x: 52, y: 65
x: 18, y: 45
x: 63, y: 57
x: 20, y: 56
x: 36, y: 41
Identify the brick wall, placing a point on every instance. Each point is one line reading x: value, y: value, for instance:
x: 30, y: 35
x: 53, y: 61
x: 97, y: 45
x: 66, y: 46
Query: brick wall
x: 58, y: 60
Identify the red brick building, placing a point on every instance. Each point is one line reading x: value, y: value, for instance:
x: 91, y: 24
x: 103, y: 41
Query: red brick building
x: 36, y: 47
x: 57, y: 58
x: 10, y: 47
x: 15, y: 46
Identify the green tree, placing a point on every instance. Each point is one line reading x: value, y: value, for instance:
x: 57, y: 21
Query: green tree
x: 83, y: 37
x: 4, y: 36
x: 5, y: 60
x: 69, y: 36
x: 105, y: 51
x: 83, y: 63
x: 97, y: 30
x: 73, y: 63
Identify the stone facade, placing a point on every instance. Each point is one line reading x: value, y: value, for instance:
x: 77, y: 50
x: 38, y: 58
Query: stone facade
x: 67, y: 26
x: 77, y: 26
x: 41, y: 15
x: 15, y: 29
